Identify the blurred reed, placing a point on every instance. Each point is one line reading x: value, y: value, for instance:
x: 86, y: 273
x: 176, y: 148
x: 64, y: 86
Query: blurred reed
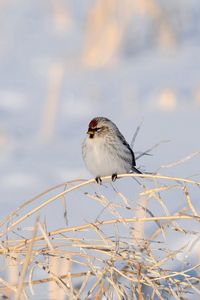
x: 109, y: 22
x: 61, y: 15
x: 50, y: 110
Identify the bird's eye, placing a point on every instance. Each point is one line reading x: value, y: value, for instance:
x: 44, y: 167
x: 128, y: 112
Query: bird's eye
x: 97, y: 129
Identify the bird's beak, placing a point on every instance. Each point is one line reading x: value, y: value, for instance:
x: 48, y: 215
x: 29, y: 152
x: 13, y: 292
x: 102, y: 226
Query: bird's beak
x: 90, y: 131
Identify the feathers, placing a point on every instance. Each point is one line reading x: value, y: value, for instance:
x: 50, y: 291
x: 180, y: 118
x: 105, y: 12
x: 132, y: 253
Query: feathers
x: 105, y: 150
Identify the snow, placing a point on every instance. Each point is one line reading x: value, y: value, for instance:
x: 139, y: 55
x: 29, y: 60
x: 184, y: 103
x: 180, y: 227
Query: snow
x: 136, y: 87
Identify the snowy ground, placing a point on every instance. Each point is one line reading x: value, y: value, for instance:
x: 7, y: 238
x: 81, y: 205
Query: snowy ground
x: 133, y: 89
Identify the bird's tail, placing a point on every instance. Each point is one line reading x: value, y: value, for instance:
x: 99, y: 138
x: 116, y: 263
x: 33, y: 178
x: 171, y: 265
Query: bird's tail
x: 134, y: 170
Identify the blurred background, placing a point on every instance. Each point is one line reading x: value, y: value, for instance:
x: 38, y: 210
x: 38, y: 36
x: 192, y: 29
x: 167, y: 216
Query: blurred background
x: 65, y: 62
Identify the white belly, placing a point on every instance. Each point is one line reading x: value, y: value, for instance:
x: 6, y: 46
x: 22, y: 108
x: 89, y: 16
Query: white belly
x: 100, y: 161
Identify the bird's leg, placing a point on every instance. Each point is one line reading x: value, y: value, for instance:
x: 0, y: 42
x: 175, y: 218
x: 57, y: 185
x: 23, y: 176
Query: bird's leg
x: 114, y: 177
x: 98, y: 179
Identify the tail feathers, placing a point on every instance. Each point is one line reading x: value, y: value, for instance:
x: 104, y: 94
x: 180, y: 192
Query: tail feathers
x: 134, y: 170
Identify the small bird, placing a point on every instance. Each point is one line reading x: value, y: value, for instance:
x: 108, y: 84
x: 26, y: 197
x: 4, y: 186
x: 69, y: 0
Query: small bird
x: 105, y: 150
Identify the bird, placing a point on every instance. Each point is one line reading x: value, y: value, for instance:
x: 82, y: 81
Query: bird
x: 106, y: 152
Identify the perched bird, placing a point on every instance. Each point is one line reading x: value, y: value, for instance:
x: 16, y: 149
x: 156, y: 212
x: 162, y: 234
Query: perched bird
x: 105, y: 150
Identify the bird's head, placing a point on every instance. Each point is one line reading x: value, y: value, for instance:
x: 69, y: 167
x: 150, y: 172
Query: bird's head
x: 99, y: 127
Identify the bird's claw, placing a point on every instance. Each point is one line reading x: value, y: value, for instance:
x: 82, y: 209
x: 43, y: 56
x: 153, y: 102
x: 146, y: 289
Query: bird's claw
x: 98, y: 180
x: 114, y: 177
